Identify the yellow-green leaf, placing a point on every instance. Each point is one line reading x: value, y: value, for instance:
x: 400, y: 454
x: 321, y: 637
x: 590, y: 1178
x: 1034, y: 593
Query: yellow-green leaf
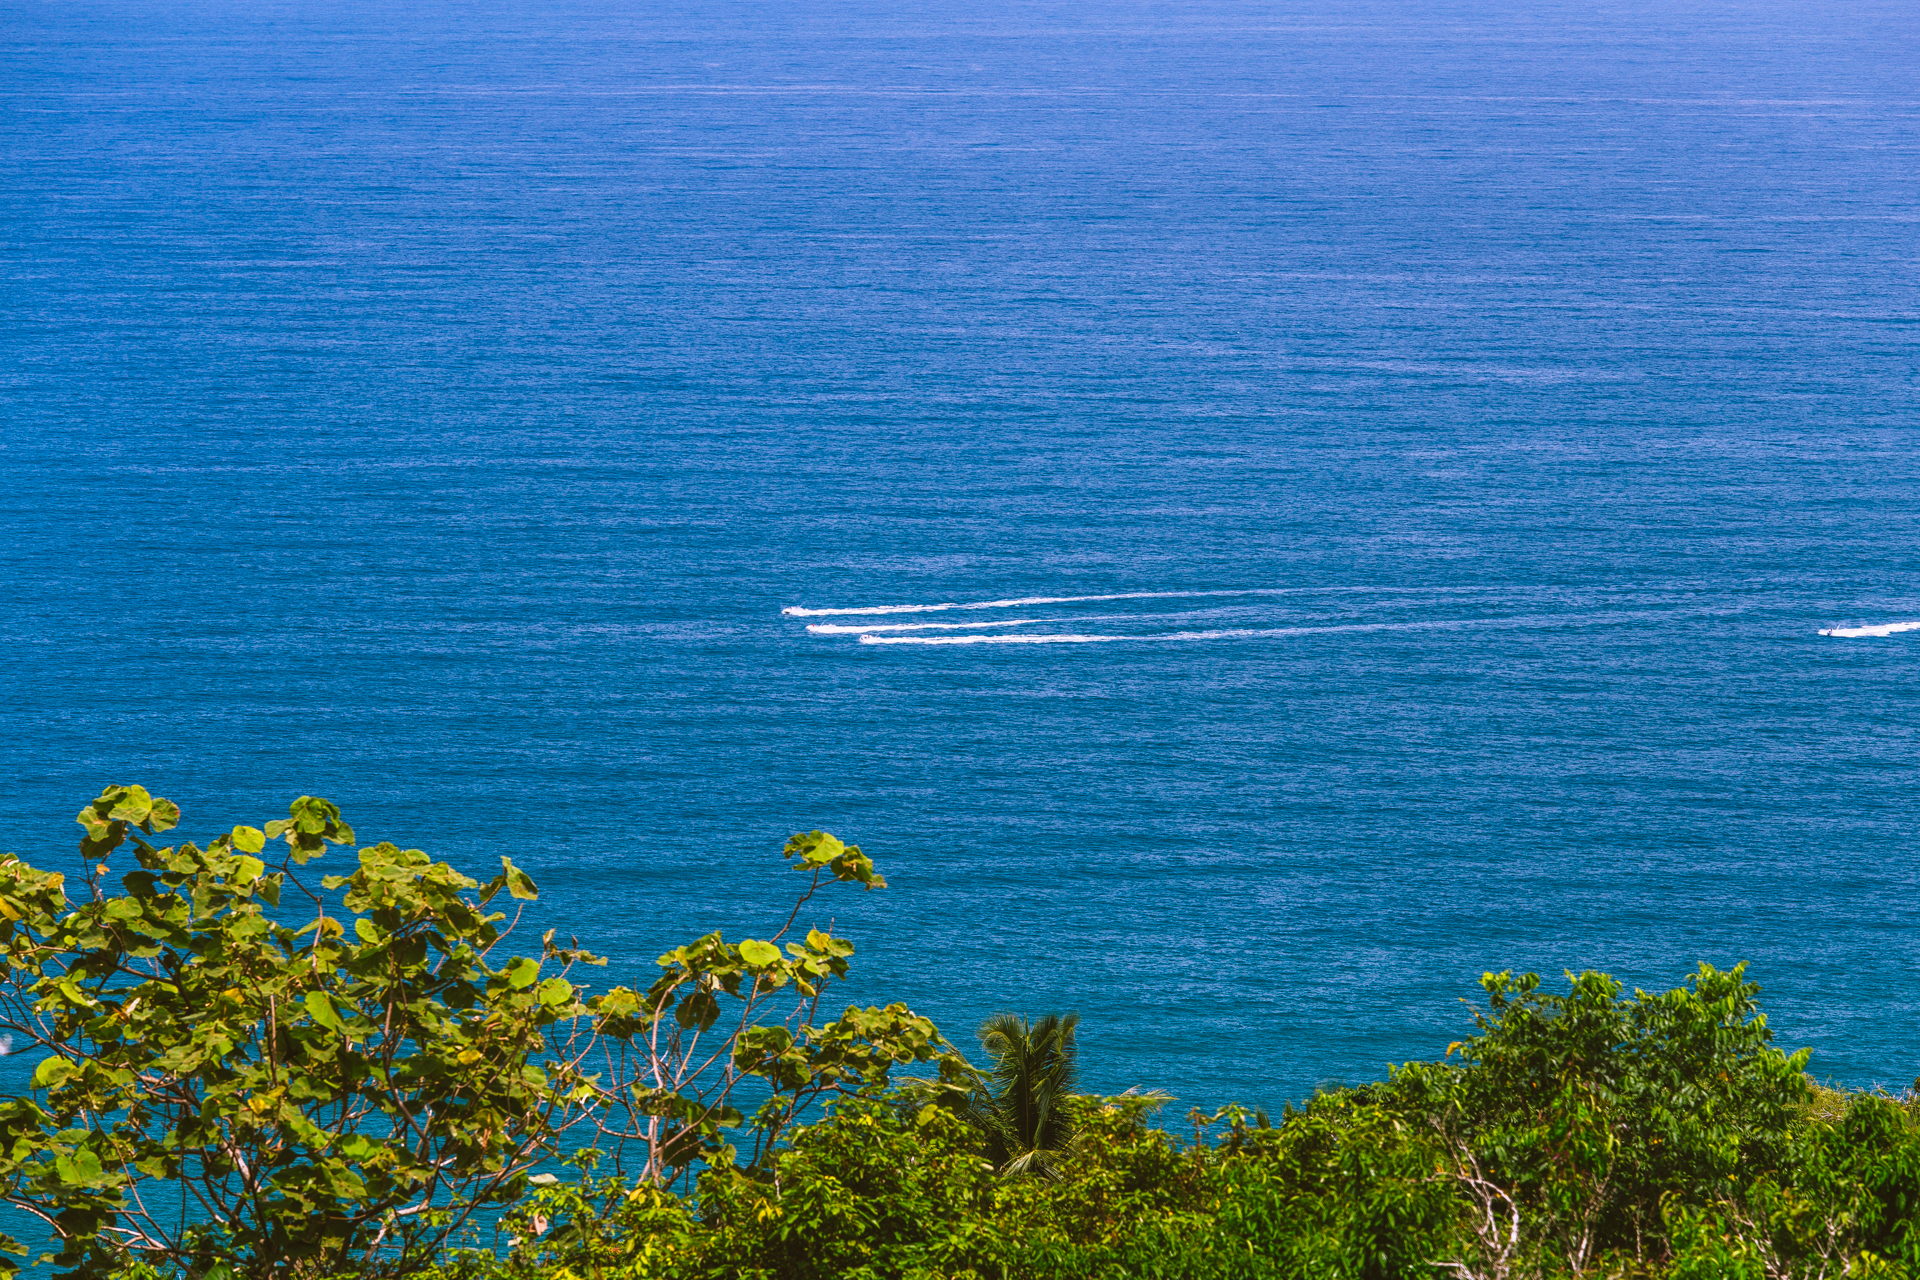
x: 132, y: 805
x: 52, y: 1073
x: 519, y: 883
x: 321, y: 1008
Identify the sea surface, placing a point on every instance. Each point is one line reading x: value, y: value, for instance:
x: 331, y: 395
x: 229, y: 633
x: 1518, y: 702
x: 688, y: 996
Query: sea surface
x: 1253, y: 514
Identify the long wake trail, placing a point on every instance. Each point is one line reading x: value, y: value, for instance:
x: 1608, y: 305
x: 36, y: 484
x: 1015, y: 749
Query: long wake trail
x: 1248, y: 633
x: 863, y: 628
x: 1020, y: 602
x: 796, y: 611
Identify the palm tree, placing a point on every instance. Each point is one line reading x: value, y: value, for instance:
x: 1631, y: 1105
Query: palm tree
x: 1034, y: 1072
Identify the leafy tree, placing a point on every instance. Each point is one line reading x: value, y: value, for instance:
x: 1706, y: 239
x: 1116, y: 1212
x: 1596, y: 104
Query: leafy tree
x: 1594, y: 1112
x: 224, y: 1090
x: 683, y: 1078
x: 245, y: 1073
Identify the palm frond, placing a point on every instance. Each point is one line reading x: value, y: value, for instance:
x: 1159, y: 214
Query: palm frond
x: 1035, y: 1069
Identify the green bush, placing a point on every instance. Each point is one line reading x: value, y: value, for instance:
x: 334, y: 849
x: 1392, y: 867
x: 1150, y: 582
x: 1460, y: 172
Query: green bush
x: 358, y: 1078
x: 1598, y: 1114
x: 1578, y: 1135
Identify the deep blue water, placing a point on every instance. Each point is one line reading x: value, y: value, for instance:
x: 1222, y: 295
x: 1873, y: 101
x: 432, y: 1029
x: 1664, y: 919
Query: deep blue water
x: 434, y: 407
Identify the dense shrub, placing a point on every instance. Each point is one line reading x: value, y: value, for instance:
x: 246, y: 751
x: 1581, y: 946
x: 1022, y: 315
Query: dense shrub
x: 373, y: 1085
x: 1350, y: 1187
x: 1584, y: 1134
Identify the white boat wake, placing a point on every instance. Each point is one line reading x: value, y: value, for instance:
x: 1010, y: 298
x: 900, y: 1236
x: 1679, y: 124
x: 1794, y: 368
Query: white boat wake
x: 1067, y: 626
x: 857, y: 629
x: 1246, y: 633
x: 868, y: 628
x: 796, y: 611
x: 1883, y: 629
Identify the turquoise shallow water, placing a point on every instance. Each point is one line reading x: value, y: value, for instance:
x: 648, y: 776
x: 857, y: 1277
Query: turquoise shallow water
x: 1478, y: 410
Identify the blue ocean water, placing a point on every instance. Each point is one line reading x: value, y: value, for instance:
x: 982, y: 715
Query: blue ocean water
x: 1475, y: 412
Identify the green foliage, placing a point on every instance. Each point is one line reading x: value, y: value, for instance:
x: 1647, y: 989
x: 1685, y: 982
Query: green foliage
x: 1019, y: 1109
x: 587, y: 1225
x: 1546, y: 1147
x: 245, y: 1073
x: 241, y: 1073
x: 1846, y: 1201
x: 221, y: 1088
x: 1126, y: 1202
x: 1598, y: 1114
x: 872, y: 1192
x: 901, y: 1191
x: 726, y: 1016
